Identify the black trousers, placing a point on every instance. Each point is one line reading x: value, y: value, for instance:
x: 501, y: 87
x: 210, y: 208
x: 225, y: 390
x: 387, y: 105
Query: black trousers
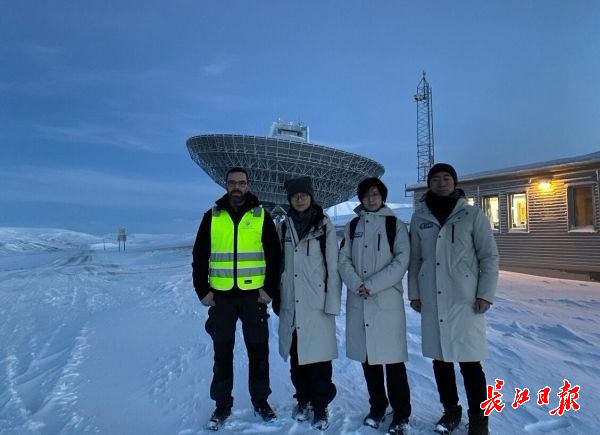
x: 398, y: 391
x: 221, y: 324
x: 473, y: 378
x: 312, y: 381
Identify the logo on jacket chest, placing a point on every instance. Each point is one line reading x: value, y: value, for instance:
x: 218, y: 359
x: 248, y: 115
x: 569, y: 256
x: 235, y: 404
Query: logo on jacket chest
x: 426, y: 225
x: 358, y: 234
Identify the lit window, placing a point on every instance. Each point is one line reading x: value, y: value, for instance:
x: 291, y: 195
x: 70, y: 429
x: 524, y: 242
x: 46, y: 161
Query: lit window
x: 581, y: 207
x: 470, y: 200
x: 517, y: 211
x: 491, y: 208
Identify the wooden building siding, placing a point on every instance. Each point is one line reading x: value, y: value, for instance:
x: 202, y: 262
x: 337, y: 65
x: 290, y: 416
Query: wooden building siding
x: 548, y: 242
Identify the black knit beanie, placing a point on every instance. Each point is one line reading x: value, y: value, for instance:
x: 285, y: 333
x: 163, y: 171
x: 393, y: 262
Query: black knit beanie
x: 442, y: 167
x: 299, y: 185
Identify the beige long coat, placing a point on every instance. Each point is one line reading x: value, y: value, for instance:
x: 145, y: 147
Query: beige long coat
x: 376, y: 326
x: 305, y: 304
x: 450, y: 267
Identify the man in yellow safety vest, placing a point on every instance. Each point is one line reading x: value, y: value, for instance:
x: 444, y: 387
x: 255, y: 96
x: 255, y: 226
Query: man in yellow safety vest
x: 236, y: 267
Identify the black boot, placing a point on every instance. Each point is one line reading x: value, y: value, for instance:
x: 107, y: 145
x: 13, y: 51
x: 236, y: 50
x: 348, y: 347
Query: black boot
x: 399, y: 426
x: 478, y: 423
x: 264, y: 410
x: 320, y: 420
x: 374, y: 417
x: 218, y: 417
x: 449, y: 420
x: 301, y: 411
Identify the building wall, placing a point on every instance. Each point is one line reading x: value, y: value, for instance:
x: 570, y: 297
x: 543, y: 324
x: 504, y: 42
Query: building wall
x: 547, y: 243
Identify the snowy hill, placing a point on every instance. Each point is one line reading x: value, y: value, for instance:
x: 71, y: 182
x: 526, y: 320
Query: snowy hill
x: 42, y: 239
x: 96, y: 341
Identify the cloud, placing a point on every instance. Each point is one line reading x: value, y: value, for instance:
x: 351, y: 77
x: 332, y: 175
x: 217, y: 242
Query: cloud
x: 41, y: 51
x: 87, y: 187
x: 218, y: 66
x: 61, y: 78
x: 95, y: 135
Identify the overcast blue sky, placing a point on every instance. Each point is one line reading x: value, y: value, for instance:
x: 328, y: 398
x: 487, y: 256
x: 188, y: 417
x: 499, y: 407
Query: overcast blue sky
x: 97, y: 98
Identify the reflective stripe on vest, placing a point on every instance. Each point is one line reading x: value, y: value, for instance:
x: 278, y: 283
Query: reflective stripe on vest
x: 244, y: 264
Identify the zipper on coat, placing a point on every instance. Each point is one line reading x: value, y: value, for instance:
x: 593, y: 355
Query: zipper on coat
x: 378, y: 241
x: 452, y: 233
x: 308, y: 248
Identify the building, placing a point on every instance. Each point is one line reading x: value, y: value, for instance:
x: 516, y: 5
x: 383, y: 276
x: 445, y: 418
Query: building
x: 544, y: 215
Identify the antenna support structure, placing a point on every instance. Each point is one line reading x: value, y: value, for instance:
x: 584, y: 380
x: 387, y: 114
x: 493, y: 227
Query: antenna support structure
x: 425, y: 150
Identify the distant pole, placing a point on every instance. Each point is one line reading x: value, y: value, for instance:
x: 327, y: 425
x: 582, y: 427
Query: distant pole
x: 425, y: 150
x: 122, y: 237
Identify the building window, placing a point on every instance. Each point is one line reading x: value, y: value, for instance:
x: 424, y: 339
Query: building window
x: 491, y: 208
x: 470, y: 200
x: 581, y: 207
x: 517, y: 212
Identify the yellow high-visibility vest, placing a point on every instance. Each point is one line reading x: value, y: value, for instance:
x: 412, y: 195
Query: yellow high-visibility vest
x: 237, y: 256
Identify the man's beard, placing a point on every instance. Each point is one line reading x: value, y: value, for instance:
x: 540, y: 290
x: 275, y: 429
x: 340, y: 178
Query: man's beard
x: 237, y: 198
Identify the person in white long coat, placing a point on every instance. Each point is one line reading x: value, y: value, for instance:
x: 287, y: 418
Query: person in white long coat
x: 452, y: 282
x: 372, y: 269
x: 310, y: 299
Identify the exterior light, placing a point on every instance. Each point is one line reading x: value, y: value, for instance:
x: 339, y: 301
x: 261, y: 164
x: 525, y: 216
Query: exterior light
x: 545, y: 185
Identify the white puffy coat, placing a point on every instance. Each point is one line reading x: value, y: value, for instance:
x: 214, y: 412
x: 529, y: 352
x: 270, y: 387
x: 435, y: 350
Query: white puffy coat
x: 450, y: 267
x: 305, y: 304
x: 376, y: 326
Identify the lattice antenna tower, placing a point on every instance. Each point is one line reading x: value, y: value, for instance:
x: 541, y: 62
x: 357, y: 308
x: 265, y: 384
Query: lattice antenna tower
x: 425, y: 156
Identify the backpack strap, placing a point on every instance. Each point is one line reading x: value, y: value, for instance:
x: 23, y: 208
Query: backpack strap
x: 322, y: 244
x: 353, y: 224
x: 390, y: 230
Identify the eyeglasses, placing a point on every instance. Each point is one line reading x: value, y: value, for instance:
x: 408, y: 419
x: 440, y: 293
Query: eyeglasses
x: 371, y: 195
x: 299, y: 196
x: 233, y: 183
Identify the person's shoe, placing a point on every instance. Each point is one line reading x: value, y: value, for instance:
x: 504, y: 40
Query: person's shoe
x: 478, y: 423
x: 374, y: 417
x: 320, y: 420
x: 301, y: 412
x: 449, y: 420
x: 398, y: 426
x: 265, y: 411
x: 218, y: 417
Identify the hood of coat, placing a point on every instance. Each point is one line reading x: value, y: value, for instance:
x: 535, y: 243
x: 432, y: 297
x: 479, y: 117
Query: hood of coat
x: 317, y: 224
x: 461, y: 204
x: 457, y: 192
x: 383, y: 211
x: 318, y: 217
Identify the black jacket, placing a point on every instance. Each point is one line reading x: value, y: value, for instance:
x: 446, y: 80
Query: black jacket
x: 201, y: 252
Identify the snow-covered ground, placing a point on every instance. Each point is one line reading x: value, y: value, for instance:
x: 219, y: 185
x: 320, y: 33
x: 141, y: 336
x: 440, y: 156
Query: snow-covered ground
x: 101, y: 341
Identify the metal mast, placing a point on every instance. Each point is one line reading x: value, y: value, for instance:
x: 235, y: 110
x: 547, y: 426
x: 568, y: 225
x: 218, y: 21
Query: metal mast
x: 425, y: 158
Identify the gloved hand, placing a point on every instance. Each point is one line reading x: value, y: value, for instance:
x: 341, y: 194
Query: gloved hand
x: 263, y: 297
x: 208, y: 300
x: 364, y: 292
x: 415, y: 304
x: 481, y: 306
